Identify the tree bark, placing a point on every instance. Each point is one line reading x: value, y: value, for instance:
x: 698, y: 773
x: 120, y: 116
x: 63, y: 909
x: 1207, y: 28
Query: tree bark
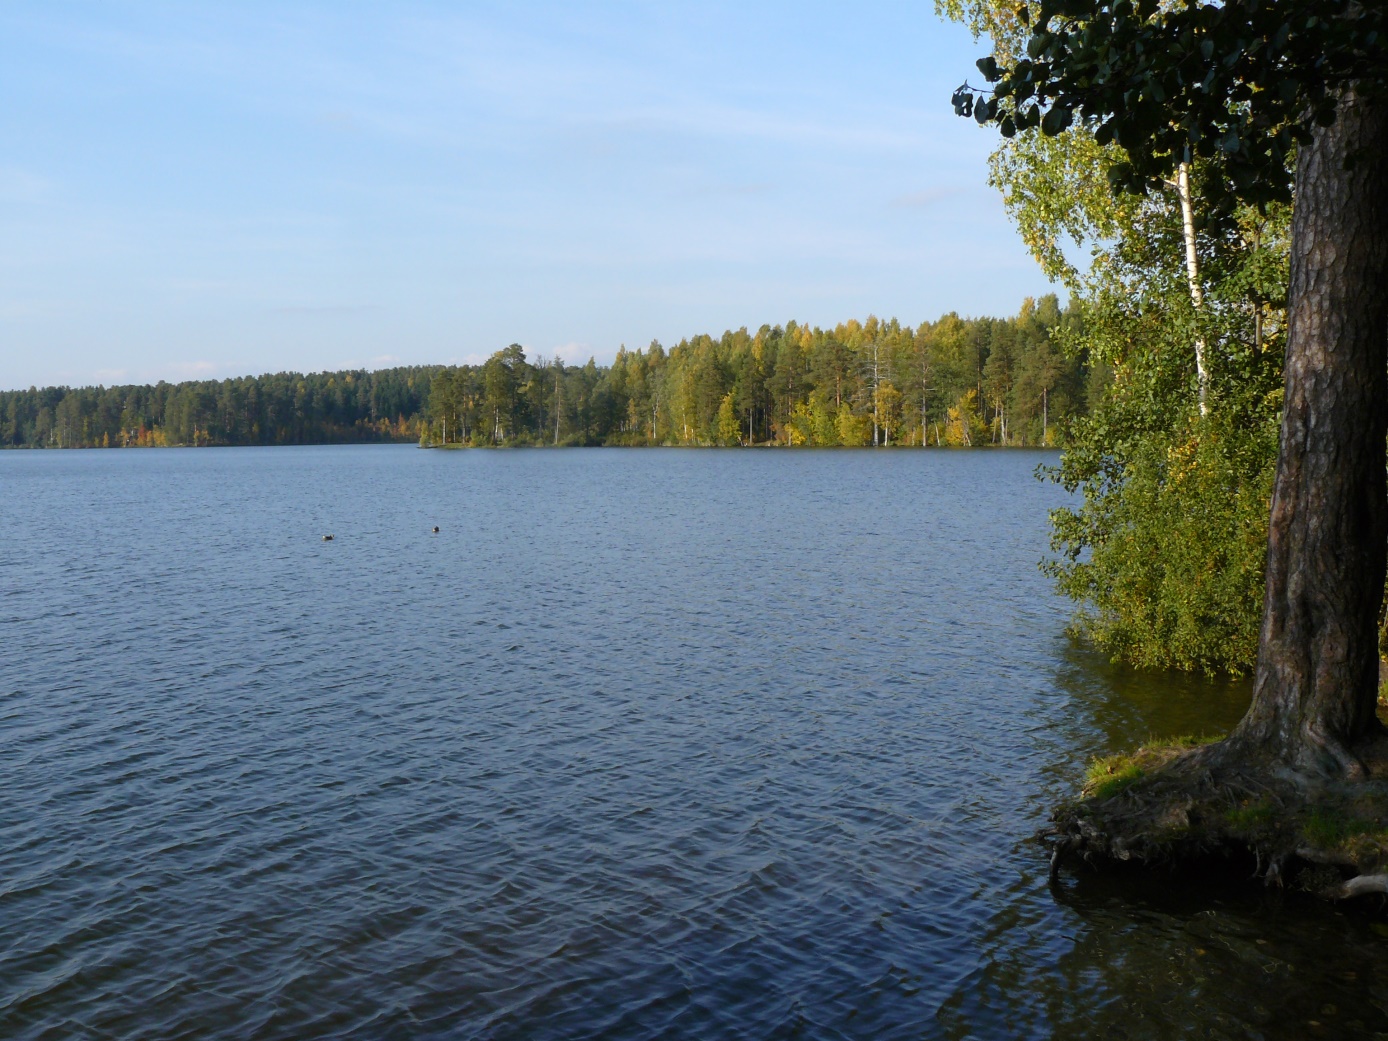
x: 1317, y: 675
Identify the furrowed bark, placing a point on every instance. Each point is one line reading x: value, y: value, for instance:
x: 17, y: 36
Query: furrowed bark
x: 1317, y: 675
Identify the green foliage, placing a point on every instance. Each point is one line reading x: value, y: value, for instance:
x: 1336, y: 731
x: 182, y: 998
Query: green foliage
x: 286, y: 408
x: 791, y: 385
x: 1330, y: 828
x: 780, y: 385
x: 1177, y: 546
x: 1056, y: 190
x: 729, y: 430
x: 1237, y: 84
x: 1165, y: 553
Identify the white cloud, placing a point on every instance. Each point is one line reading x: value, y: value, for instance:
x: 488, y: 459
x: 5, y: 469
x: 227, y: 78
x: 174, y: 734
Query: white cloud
x: 194, y: 370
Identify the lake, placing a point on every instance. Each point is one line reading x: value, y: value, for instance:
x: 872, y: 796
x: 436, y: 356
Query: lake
x: 641, y: 744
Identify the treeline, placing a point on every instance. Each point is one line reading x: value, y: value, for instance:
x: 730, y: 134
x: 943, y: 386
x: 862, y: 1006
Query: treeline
x: 956, y: 381
x: 286, y: 408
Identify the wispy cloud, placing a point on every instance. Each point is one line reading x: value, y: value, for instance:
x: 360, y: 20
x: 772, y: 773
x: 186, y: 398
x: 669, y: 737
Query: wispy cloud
x: 713, y: 121
x: 22, y: 186
x: 181, y: 284
x: 467, y: 359
x: 195, y: 370
x: 398, y: 184
x: 17, y: 310
x: 326, y: 309
x: 929, y: 197
x: 745, y: 191
x: 171, y: 372
x: 378, y: 361
x: 572, y: 353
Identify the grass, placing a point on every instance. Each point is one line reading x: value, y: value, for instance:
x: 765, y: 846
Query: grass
x: 1328, y: 829
x: 1252, y: 816
x: 1111, y: 774
x: 1354, y: 828
x: 1135, y: 807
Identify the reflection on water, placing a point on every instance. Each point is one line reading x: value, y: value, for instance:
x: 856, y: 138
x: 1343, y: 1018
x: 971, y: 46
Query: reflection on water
x: 1161, y: 957
x: 1163, y: 954
x: 640, y: 744
x: 1111, y: 705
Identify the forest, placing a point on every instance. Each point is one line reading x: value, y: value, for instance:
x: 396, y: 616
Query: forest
x: 286, y: 408
x: 956, y: 381
x: 953, y: 382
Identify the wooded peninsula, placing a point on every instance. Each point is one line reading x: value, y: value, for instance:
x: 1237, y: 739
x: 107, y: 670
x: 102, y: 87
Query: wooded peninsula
x: 953, y: 382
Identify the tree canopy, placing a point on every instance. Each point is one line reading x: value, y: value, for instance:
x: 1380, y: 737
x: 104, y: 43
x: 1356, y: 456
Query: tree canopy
x: 954, y: 381
x: 1239, y: 83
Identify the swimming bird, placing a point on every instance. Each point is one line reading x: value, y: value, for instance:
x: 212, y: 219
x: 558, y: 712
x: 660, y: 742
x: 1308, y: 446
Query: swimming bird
x: 327, y: 538
x: 436, y: 529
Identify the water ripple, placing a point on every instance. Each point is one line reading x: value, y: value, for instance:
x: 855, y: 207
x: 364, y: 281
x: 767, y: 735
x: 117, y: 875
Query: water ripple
x: 640, y: 745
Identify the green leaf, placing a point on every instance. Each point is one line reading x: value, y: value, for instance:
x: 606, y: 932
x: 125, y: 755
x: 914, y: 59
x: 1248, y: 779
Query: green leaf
x: 1056, y: 119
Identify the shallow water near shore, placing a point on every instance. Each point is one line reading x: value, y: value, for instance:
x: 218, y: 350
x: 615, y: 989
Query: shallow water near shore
x: 642, y: 743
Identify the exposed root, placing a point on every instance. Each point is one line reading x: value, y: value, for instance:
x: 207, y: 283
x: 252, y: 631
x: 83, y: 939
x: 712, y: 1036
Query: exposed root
x: 1349, y: 764
x: 1359, y: 885
x: 1187, y: 802
x: 1326, y: 857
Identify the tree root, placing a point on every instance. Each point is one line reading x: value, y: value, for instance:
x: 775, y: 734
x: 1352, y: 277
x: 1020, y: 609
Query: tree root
x: 1350, y: 766
x: 1061, y: 847
x: 1174, y: 805
x: 1328, y: 858
x: 1359, y: 885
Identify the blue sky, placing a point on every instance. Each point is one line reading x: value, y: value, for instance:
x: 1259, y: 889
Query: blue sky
x: 199, y: 190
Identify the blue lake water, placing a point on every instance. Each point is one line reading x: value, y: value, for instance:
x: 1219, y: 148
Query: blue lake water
x: 641, y: 744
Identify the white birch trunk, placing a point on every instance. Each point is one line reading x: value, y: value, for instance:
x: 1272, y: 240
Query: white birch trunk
x: 1197, y: 297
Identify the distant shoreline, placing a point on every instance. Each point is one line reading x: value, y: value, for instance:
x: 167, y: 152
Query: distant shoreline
x: 955, y: 382
x: 455, y: 446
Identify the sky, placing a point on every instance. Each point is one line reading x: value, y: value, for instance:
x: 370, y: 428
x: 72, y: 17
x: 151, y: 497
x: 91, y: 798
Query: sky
x: 193, y: 190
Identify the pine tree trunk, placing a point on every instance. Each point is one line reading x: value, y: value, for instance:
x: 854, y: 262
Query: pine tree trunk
x: 1317, y: 674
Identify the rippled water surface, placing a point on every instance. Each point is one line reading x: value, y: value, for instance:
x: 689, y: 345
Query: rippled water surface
x: 642, y: 744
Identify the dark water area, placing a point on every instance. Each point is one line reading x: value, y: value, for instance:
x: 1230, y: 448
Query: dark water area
x: 642, y: 744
